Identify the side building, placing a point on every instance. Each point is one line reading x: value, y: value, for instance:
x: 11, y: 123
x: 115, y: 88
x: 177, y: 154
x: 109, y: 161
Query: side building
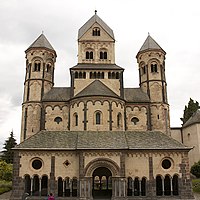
x: 97, y: 139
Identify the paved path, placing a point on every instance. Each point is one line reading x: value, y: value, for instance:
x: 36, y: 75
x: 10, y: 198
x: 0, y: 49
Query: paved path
x: 6, y: 196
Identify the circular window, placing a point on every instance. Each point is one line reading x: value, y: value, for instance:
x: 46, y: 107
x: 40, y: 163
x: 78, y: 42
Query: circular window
x: 37, y: 164
x: 166, y: 164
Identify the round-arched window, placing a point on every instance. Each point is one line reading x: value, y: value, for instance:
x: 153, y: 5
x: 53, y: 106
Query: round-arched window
x: 166, y: 164
x: 134, y: 120
x: 36, y: 164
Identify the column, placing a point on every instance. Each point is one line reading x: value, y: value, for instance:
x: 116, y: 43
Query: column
x: 31, y: 186
x: 64, y: 188
x: 171, y: 185
x: 163, y: 186
x: 40, y: 186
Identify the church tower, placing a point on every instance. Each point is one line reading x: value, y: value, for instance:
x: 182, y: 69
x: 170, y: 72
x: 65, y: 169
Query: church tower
x: 39, y: 79
x: 151, y: 60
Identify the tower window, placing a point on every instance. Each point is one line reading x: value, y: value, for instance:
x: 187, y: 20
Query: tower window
x: 144, y: 70
x: 154, y: 68
x: 89, y: 54
x: 103, y: 55
x: 98, y: 117
x: 96, y: 31
x: 48, y: 68
x: 119, y: 120
x: 76, y: 119
x: 36, y: 66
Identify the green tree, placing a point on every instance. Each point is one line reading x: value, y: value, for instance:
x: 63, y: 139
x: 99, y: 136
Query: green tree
x: 8, y: 145
x: 5, y: 171
x: 189, y: 110
x: 195, y: 169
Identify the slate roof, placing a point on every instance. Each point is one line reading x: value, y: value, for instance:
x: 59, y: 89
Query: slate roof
x: 95, y: 19
x: 57, y: 94
x: 41, y: 41
x: 96, y: 66
x: 195, y: 118
x: 97, y: 88
x: 150, y: 44
x: 135, y: 95
x: 113, y: 140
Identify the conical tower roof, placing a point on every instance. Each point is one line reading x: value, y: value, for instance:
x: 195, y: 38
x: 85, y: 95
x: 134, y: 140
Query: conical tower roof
x: 95, y: 19
x: 41, y: 42
x: 150, y: 44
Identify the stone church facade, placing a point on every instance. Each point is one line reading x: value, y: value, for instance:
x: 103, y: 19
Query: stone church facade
x: 97, y: 139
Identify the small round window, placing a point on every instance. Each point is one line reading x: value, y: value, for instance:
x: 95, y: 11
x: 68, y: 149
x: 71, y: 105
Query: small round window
x: 37, y: 164
x: 166, y: 164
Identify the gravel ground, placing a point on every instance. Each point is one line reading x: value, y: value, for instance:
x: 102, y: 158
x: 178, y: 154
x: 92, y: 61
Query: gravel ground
x: 6, y: 196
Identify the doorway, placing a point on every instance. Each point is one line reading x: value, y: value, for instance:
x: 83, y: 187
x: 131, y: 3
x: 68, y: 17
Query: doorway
x: 102, y: 183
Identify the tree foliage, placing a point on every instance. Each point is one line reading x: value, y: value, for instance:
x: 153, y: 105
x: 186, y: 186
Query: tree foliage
x: 7, y: 152
x: 195, y: 169
x: 189, y: 110
x: 5, y: 171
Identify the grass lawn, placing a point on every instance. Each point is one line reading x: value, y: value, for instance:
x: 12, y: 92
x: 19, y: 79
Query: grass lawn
x: 196, y: 185
x: 5, y: 186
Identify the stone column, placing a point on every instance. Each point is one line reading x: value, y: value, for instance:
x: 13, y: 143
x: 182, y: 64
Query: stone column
x: 52, y: 176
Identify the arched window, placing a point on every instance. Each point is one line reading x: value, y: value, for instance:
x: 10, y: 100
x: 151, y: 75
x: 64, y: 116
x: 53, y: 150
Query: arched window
x: 27, y: 184
x: 119, y: 120
x: 44, y: 186
x: 98, y: 75
x: 37, y: 66
x: 60, y: 187
x: 95, y: 75
x: 110, y: 183
x: 102, y: 75
x: 113, y: 76
x: 91, y: 75
x: 96, y: 183
x: 67, y: 187
x: 109, y: 75
x: 167, y: 186
x: 103, y: 55
x: 89, y: 54
x: 84, y: 75
x: 58, y: 120
x: 136, y: 187
x: 117, y: 75
x: 49, y: 68
x: 98, y: 118
x: 75, y: 119
x: 104, y: 183
x: 129, y: 187
x: 74, y: 187
x: 76, y: 74
x: 135, y: 120
x: 175, y: 185
x: 35, y: 186
x: 154, y: 68
x: 96, y: 31
x: 159, y: 186
x: 143, y: 187
x: 80, y: 75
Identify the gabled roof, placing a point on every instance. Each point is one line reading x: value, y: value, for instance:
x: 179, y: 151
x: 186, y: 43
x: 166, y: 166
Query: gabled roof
x: 95, y: 19
x: 96, y: 66
x: 57, y: 94
x: 79, y: 140
x: 150, y: 44
x: 194, y: 119
x: 97, y: 88
x: 135, y: 95
x: 41, y: 42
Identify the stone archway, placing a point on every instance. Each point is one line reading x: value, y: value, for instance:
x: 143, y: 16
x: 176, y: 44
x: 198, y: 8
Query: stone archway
x: 102, y: 183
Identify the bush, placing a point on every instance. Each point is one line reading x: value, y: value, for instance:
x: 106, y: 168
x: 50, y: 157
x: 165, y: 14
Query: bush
x: 195, y: 169
x: 5, y: 186
x: 5, y: 171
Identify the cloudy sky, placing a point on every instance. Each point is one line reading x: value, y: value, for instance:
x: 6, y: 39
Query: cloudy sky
x: 174, y: 24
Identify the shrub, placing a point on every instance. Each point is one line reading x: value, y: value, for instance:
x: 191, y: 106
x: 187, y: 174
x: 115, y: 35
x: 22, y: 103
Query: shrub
x: 195, y: 169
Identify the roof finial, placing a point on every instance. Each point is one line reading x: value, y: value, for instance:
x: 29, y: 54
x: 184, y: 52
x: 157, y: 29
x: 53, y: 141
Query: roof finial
x: 95, y: 12
x: 148, y: 34
x: 42, y: 32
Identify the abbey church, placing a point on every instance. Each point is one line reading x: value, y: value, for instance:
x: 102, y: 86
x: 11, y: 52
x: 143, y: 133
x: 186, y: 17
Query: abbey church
x: 97, y: 139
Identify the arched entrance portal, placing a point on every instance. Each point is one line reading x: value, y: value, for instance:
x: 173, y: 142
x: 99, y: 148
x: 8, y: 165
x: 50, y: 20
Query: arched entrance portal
x: 102, y: 183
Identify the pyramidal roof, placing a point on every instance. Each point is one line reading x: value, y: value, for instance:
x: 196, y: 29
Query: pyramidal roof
x: 95, y: 19
x: 42, y: 42
x: 150, y: 44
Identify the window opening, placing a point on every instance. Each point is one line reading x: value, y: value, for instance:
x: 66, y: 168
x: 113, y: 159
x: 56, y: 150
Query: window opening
x: 143, y: 187
x: 129, y: 189
x: 67, y: 187
x: 119, y: 119
x: 98, y: 118
x: 44, y: 186
x: 159, y: 186
x: 175, y: 185
x: 96, y: 32
x: 76, y: 119
x: 167, y: 186
x: 136, y: 187
x: 154, y: 68
x: 37, y: 164
x: 27, y: 184
x: 48, y: 68
x: 35, y: 186
x: 37, y: 67
x: 58, y: 120
x: 135, y: 120
x: 60, y: 187
x: 74, y: 187
x: 166, y: 163
x: 76, y: 74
